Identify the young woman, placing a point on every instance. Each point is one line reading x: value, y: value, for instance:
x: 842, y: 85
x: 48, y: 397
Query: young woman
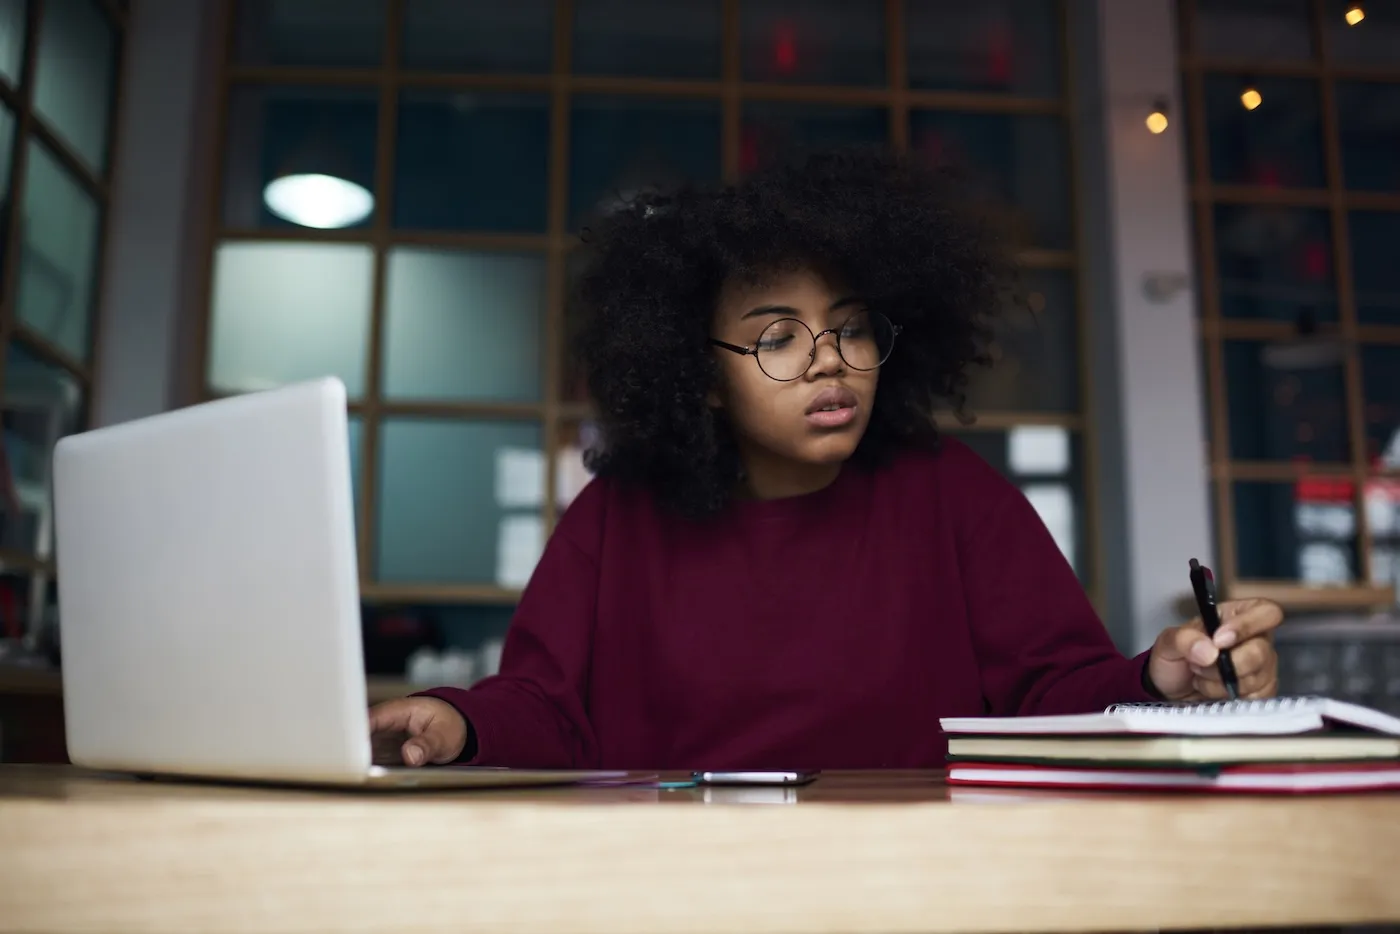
x: 780, y: 563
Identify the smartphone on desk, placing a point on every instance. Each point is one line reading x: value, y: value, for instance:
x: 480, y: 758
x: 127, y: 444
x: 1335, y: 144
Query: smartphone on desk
x: 754, y: 778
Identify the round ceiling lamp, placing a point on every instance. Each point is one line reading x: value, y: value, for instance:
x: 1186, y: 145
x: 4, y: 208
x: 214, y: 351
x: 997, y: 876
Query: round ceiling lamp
x: 313, y: 199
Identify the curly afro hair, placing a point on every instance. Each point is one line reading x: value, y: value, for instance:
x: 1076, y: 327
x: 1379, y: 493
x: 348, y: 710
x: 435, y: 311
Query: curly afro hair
x: 907, y: 237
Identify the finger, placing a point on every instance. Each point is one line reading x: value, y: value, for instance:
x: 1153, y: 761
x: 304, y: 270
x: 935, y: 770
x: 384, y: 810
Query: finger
x: 408, y: 723
x: 1206, y: 672
x: 1188, y: 643
x: 1241, y: 620
x: 1260, y: 684
x: 415, y: 752
x: 431, y: 747
x: 390, y: 716
x: 1266, y: 686
x: 428, y: 740
x: 1253, y: 656
x: 1209, y: 690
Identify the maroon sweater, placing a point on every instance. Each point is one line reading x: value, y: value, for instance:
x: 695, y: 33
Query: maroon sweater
x: 829, y: 630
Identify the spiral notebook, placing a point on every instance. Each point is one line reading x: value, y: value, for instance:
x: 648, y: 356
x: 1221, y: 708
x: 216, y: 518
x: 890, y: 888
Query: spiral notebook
x: 1277, y: 716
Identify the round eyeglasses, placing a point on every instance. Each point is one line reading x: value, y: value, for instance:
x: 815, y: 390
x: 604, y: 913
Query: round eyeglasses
x: 787, y: 347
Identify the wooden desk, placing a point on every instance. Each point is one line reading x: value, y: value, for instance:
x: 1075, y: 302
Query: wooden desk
x: 892, y: 852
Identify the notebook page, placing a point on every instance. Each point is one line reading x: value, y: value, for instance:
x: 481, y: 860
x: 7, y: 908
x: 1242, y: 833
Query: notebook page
x: 1145, y: 720
x: 1341, y: 712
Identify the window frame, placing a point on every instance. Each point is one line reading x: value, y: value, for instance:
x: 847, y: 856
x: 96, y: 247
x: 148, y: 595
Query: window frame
x: 30, y: 125
x: 555, y: 413
x: 1216, y: 329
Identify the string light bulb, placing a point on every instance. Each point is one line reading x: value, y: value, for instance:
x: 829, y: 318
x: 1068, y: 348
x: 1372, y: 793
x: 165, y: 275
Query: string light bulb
x: 1355, y: 14
x: 1251, y: 98
x: 1157, y: 120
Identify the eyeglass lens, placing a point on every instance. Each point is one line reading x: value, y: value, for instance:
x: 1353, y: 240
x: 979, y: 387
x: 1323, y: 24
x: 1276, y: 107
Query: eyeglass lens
x: 786, y: 347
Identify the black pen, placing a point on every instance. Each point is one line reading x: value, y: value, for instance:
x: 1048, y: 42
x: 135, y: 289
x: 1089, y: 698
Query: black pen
x: 1203, y: 583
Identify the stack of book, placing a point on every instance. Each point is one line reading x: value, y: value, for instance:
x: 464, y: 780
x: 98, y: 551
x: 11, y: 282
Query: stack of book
x: 1283, y: 745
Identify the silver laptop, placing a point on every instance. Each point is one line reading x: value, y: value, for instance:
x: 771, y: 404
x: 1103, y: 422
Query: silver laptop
x: 209, y: 598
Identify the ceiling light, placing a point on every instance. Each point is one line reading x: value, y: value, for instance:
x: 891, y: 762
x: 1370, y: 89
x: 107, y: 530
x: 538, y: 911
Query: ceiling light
x: 311, y: 199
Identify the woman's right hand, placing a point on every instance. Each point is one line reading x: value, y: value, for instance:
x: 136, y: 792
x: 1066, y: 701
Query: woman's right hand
x: 416, y: 731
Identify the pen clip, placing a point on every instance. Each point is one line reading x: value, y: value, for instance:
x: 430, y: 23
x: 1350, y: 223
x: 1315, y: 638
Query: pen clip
x: 1210, y: 584
x: 1203, y: 583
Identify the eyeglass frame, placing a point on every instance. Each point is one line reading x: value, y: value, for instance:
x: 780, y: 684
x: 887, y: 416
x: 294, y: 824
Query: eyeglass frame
x: 812, y: 356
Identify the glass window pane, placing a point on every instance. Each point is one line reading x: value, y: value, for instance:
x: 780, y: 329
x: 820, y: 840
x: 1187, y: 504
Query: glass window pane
x: 58, y: 264
x: 813, y: 41
x: 310, y: 33
x: 41, y: 403
x: 1046, y: 462
x: 642, y: 38
x: 12, y: 20
x: 1374, y: 269
x: 479, y: 36
x: 1368, y: 122
x: 775, y: 131
x: 459, y: 501
x: 1303, y: 531
x: 463, y: 326
x: 317, y: 143
x: 1372, y: 41
x: 993, y: 45
x: 618, y: 145
x: 1278, y: 144
x: 1036, y: 351
x: 75, y: 75
x: 1022, y: 159
x: 1275, y: 263
x: 284, y: 312
x: 1254, y: 30
x: 1380, y: 388
x: 472, y: 160
x: 1287, y: 400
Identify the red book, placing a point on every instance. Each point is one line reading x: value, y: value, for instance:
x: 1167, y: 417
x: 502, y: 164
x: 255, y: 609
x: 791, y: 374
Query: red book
x: 1301, y: 778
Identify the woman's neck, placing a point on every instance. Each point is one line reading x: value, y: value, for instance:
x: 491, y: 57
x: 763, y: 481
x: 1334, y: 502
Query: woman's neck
x: 768, y: 477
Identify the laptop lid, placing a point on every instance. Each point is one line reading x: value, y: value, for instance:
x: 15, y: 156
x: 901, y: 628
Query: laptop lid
x: 209, y: 594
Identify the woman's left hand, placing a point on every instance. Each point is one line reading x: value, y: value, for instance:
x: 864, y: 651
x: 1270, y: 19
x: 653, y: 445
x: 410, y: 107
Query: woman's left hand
x: 1182, y: 665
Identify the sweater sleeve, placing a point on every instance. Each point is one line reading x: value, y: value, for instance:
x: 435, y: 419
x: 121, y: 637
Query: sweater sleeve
x: 1041, y: 647
x: 532, y: 714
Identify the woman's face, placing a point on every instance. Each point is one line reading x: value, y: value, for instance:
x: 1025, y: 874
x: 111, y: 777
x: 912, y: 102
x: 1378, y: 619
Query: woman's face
x: 814, y: 418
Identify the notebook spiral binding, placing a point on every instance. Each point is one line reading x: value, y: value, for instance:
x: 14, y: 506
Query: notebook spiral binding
x: 1256, y: 707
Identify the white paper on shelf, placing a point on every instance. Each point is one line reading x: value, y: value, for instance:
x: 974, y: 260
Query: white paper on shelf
x: 519, y: 544
x: 519, y: 478
x: 1054, y: 504
x: 1039, y: 450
